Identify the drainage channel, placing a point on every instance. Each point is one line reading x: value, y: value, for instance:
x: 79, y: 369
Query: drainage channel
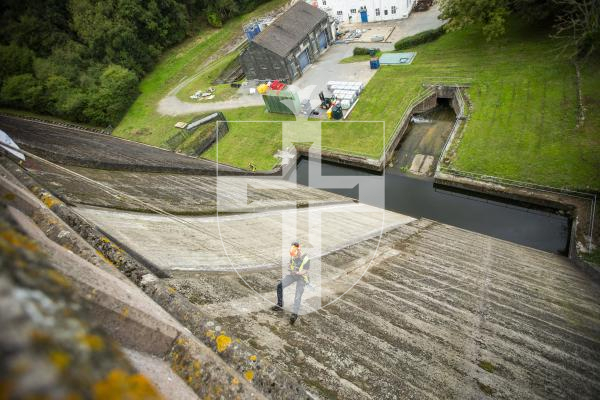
x: 420, y: 198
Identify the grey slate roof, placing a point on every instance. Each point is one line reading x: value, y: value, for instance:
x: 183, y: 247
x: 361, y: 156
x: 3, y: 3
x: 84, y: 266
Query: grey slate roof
x: 285, y: 33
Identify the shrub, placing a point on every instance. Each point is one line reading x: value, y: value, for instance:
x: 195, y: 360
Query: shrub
x: 419, y: 38
x: 109, y: 101
x: 361, y: 51
x: 214, y: 20
x: 22, y: 91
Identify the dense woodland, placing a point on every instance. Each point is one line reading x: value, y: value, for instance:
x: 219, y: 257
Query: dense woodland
x: 82, y: 59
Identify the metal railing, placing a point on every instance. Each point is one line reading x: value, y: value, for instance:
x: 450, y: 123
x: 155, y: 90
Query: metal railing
x: 64, y: 124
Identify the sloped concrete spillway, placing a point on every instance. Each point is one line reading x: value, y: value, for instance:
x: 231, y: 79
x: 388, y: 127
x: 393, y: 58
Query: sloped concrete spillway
x: 433, y: 311
x: 427, y: 310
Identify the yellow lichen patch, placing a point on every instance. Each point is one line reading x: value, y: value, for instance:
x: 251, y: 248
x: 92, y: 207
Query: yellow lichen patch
x: 103, y: 257
x: 125, y: 312
x: 119, y: 385
x: 15, y: 240
x: 6, y: 389
x: 223, y: 342
x: 60, y: 359
x: 252, y: 358
x: 172, y: 290
x: 40, y: 337
x: 249, y: 375
x: 94, y: 342
x: 49, y: 200
x: 9, y: 196
x: 58, y: 278
x: 211, y: 334
x: 235, y: 381
x: 113, y: 246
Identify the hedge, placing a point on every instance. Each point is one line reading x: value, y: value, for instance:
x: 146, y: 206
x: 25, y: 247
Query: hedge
x: 361, y: 51
x: 419, y: 38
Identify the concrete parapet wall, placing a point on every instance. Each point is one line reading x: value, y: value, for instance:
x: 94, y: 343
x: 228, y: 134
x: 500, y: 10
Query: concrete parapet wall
x: 120, y: 307
x: 241, y: 358
x: 428, y: 103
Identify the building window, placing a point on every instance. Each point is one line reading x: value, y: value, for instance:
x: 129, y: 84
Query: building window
x: 324, y: 3
x: 385, y: 12
x: 394, y: 9
x: 353, y: 11
x: 377, y: 12
x: 340, y: 13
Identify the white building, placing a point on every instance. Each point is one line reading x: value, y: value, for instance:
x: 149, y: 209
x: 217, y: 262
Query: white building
x: 356, y: 11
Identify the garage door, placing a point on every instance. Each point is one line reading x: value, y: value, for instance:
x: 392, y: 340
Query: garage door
x: 323, y: 40
x: 303, y: 59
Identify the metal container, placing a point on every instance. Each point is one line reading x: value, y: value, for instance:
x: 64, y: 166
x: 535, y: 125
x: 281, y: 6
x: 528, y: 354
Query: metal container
x: 252, y: 30
x: 282, y: 102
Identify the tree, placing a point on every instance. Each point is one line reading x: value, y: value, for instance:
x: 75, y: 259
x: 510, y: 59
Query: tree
x: 580, y: 22
x: 116, y: 90
x: 15, y: 60
x: 82, y: 59
x: 492, y: 14
x: 22, y: 91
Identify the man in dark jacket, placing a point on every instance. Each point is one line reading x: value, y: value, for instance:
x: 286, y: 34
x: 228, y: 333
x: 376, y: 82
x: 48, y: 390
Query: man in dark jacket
x: 299, y: 266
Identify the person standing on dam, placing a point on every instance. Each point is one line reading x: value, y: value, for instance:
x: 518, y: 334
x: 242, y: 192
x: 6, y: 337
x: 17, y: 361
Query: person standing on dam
x: 298, y: 272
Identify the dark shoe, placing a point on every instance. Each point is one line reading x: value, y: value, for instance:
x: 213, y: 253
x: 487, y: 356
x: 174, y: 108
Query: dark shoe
x: 276, y: 308
x: 293, y: 318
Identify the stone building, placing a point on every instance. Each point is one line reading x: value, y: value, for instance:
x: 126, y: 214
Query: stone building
x: 289, y: 45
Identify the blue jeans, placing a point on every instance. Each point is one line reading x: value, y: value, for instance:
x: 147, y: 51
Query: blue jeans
x: 287, y: 281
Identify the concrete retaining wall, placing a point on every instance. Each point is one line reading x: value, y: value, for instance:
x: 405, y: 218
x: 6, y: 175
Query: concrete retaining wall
x: 427, y: 104
x: 221, y: 129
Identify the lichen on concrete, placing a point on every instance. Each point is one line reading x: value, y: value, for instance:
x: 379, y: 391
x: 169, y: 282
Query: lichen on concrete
x: 48, y: 349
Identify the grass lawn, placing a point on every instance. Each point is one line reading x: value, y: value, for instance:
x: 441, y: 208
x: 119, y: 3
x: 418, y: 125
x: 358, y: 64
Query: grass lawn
x: 250, y: 142
x: 204, y: 80
x: 525, y: 105
x: 142, y: 122
x: 523, y: 93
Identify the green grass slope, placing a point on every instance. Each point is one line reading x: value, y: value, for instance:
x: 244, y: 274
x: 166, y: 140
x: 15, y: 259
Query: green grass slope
x: 525, y: 106
x: 142, y: 122
x: 524, y: 95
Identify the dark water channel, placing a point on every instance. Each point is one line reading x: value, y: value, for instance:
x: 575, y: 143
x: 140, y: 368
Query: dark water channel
x: 418, y: 197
